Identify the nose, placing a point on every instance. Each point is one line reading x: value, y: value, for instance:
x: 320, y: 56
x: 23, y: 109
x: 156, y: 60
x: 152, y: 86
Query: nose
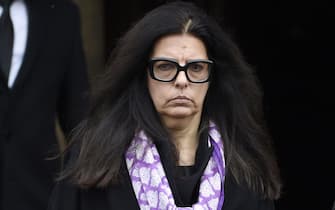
x: 181, y: 80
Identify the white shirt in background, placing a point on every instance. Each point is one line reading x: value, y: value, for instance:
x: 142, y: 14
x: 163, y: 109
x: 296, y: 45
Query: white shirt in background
x: 19, y: 17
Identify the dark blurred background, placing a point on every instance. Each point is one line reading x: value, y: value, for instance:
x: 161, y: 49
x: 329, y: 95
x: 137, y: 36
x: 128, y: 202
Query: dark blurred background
x: 290, y: 44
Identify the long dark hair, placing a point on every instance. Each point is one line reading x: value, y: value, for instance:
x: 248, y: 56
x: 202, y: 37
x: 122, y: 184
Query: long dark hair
x: 121, y: 104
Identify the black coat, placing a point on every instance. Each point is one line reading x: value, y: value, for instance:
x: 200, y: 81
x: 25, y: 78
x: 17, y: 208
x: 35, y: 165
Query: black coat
x: 121, y: 197
x: 51, y: 82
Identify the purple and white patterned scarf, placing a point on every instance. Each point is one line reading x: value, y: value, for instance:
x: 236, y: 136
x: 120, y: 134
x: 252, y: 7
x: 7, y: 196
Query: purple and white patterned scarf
x: 151, y: 186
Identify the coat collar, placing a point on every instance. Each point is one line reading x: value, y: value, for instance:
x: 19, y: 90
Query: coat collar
x: 38, y: 15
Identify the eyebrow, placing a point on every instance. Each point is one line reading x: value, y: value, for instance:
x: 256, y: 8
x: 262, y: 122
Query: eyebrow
x: 176, y: 61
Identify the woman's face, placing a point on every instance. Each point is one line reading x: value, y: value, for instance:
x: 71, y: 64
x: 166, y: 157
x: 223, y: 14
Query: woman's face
x: 179, y: 98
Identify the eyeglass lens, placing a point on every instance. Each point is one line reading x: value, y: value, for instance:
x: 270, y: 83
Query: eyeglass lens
x: 197, y: 71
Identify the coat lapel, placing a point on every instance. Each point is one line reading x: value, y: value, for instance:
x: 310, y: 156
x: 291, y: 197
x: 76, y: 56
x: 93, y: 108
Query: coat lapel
x: 38, y: 15
x: 3, y: 83
x: 122, y: 195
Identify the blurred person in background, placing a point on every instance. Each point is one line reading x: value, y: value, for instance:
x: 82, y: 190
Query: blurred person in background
x: 42, y: 77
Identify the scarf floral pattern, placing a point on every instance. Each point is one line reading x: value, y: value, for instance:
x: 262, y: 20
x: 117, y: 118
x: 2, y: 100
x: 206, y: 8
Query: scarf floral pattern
x: 151, y: 185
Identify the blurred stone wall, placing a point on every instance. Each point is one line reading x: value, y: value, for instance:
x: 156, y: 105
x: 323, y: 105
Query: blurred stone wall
x: 93, y: 34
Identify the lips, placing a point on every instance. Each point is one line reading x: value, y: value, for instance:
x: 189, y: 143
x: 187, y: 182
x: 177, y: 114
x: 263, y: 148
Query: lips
x: 180, y: 100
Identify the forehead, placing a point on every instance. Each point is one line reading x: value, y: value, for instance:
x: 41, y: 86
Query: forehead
x: 180, y: 47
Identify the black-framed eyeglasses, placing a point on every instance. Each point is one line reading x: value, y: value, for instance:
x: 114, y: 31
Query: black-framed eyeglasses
x: 167, y: 70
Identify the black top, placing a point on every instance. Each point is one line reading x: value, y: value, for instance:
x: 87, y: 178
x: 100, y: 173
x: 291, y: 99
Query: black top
x: 187, y: 184
x: 184, y: 182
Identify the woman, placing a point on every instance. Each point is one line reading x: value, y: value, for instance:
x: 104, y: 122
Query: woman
x: 176, y: 122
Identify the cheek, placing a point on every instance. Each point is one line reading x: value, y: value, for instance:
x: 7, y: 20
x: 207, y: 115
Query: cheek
x: 201, y: 94
x: 154, y: 91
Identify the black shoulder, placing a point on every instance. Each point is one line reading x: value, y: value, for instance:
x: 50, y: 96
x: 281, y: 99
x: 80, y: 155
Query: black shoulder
x: 239, y: 197
x: 64, y: 196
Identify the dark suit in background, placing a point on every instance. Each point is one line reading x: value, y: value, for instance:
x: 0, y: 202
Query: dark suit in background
x: 52, y: 82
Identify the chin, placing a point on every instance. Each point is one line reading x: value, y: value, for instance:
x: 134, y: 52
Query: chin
x: 178, y: 118
x: 181, y: 113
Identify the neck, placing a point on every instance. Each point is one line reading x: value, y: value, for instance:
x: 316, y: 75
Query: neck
x: 184, y: 133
